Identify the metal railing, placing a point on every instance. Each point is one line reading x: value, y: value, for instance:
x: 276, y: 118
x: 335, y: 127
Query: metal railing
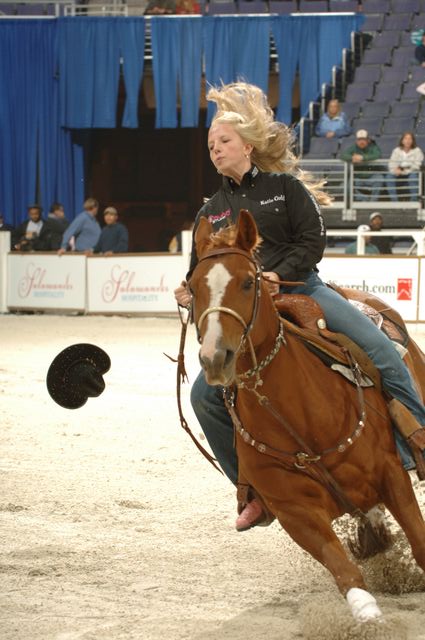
x: 357, y: 188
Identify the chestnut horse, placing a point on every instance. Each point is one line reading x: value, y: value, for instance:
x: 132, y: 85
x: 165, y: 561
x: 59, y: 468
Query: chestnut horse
x: 286, y: 398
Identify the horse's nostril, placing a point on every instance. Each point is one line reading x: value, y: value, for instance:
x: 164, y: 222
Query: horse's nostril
x: 229, y: 357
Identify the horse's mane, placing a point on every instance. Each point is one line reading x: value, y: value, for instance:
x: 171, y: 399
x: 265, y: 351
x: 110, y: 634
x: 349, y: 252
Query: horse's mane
x: 226, y: 237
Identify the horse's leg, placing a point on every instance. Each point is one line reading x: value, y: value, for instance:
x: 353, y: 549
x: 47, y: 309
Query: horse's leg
x: 311, y: 528
x: 400, y: 500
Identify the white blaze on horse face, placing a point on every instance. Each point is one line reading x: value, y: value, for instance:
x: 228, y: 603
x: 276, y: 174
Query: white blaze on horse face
x: 217, y: 280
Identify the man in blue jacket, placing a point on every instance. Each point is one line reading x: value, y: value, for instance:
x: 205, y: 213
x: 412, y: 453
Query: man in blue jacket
x: 84, y: 231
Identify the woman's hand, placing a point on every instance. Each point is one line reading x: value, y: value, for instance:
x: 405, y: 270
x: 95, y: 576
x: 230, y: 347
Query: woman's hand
x: 272, y: 280
x: 182, y: 295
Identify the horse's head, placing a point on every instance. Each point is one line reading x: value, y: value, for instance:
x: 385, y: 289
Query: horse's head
x: 226, y: 289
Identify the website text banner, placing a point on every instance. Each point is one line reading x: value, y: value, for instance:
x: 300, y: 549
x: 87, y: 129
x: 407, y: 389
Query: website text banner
x: 41, y: 281
x: 128, y: 284
x: 394, y: 280
x: 421, y: 309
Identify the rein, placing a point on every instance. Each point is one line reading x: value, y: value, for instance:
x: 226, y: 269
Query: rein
x: 182, y: 377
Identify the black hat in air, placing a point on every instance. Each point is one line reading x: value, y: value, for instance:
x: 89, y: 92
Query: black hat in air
x: 76, y: 374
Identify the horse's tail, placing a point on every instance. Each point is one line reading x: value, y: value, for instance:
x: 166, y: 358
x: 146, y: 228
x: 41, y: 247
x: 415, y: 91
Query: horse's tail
x: 372, y: 536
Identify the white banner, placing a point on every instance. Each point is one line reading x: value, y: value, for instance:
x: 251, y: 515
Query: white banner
x: 46, y: 281
x: 134, y: 284
x: 394, y: 280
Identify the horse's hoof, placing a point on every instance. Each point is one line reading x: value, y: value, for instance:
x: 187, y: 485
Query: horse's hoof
x: 251, y: 516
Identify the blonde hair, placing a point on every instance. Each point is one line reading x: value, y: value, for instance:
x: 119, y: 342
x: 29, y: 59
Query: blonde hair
x: 245, y: 107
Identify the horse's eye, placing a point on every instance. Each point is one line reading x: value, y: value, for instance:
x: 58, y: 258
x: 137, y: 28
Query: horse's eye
x: 248, y: 284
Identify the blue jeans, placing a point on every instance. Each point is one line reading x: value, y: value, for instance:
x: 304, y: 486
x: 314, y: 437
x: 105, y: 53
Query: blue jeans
x: 372, y: 183
x: 341, y: 316
x: 408, y: 186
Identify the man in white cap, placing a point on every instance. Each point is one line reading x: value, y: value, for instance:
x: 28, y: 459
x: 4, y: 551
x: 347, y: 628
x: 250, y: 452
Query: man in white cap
x: 361, y: 154
x: 369, y: 247
x: 384, y: 243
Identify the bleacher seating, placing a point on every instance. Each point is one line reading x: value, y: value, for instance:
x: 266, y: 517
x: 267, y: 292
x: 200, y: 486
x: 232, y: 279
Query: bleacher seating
x: 402, y: 6
x: 222, y: 8
x: 252, y: 6
x: 313, y: 6
x: 376, y: 6
x: 283, y: 7
x: 337, y: 6
x: 372, y: 124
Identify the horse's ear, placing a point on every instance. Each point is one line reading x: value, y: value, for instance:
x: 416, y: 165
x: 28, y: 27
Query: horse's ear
x: 247, y: 233
x: 202, y: 235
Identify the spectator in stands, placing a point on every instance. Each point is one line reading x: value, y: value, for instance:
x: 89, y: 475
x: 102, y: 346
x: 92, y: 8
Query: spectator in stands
x: 26, y: 234
x: 160, y: 7
x: 361, y: 154
x: 369, y: 247
x: 83, y: 232
x: 376, y: 223
x: 404, y: 164
x: 334, y: 122
x: 114, y: 235
x: 54, y: 228
x: 4, y: 226
x: 420, y: 52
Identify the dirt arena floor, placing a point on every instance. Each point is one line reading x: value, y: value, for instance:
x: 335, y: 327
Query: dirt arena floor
x: 114, y: 527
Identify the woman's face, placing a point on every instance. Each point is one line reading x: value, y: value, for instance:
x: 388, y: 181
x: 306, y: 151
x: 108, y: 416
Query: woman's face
x: 228, y: 152
x: 407, y: 141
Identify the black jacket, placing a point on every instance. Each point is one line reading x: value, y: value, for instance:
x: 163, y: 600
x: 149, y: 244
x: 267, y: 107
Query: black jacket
x: 287, y: 216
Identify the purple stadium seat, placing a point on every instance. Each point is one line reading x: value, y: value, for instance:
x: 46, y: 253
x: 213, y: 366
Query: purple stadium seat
x: 376, y: 6
x: 418, y: 21
x: 391, y: 74
x: 407, y: 108
x: 218, y: 8
x: 372, y: 124
x: 409, y: 91
x: 420, y: 141
x: 398, y: 21
x: 420, y: 127
x: 8, y: 9
x: 404, y: 6
x: 375, y: 108
x: 252, y: 6
x: 417, y: 74
x: 283, y: 7
x: 351, y: 109
x: 402, y: 57
x: 313, y: 6
x: 367, y: 73
x: 398, y: 125
x: 406, y: 39
x: 359, y: 92
x: 387, y: 92
x: 343, y: 6
x: 372, y: 23
x: 322, y: 148
x: 387, y: 39
x: 377, y: 56
x: 345, y: 143
x: 387, y: 143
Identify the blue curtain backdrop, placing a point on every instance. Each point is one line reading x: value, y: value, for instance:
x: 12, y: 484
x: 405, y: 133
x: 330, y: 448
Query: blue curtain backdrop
x: 33, y: 145
x: 313, y: 44
x: 177, y: 70
x: 236, y: 47
x: 60, y: 77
